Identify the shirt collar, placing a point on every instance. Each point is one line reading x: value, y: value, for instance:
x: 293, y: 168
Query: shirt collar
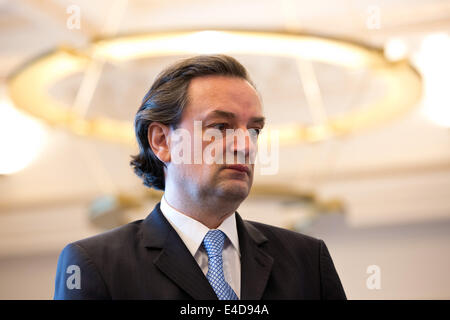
x: 192, y: 231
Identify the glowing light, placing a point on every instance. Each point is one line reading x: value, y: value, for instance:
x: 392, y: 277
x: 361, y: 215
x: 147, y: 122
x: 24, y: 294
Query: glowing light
x: 434, y: 64
x: 395, y: 49
x: 21, y: 138
x: 258, y: 43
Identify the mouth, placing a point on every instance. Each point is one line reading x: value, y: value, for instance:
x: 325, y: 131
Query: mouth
x: 239, y: 167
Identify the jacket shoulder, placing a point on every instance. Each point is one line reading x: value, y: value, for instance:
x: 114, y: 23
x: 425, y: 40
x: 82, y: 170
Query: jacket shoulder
x: 277, y: 234
x: 91, y: 260
x: 304, y: 251
x: 112, y: 239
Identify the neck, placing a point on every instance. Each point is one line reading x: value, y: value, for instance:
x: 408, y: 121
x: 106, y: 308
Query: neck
x: 209, y: 212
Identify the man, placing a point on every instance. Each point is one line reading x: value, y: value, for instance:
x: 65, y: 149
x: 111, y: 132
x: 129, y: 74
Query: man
x: 194, y: 245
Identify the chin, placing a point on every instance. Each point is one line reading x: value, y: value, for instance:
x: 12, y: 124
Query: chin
x: 235, y: 191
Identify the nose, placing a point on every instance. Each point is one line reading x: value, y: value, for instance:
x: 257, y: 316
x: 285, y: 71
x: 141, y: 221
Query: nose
x: 243, y: 145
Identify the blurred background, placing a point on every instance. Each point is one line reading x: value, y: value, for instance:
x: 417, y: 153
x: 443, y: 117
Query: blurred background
x: 379, y: 197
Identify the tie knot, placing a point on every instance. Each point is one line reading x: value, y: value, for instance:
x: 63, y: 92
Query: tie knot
x: 213, y: 242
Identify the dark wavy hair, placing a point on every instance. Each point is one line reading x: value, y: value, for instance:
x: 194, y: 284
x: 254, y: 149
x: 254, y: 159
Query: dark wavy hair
x: 165, y: 102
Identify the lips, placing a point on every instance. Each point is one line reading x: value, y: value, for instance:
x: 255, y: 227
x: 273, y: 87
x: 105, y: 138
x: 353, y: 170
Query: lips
x: 239, y: 167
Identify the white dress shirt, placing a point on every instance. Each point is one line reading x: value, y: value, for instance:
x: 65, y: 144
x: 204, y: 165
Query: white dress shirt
x: 192, y: 233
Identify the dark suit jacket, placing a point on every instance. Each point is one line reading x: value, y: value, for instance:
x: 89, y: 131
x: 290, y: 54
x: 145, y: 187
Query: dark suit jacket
x: 146, y: 259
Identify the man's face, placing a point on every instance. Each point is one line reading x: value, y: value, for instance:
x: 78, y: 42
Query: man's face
x: 220, y: 103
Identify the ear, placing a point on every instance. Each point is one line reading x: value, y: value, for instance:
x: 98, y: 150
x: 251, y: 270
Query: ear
x: 159, y: 140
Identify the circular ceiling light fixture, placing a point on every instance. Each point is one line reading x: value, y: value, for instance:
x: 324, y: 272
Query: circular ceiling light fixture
x: 28, y: 86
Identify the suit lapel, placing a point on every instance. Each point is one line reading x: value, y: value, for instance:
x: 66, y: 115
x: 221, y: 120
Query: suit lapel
x: 175, y: 260
x: 177, y: 263
x: 256, y: 264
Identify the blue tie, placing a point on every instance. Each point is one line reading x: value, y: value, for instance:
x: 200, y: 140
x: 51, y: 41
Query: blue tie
x: 213, y: 243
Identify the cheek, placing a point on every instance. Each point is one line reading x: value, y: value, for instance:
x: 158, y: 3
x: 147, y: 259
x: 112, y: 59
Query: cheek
x: 184, y: 171
x: 214, y: 149
x: 199, y: 172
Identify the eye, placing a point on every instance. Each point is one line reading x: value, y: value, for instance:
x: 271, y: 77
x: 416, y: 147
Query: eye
x: 255, y: 131
x: 220, y: 126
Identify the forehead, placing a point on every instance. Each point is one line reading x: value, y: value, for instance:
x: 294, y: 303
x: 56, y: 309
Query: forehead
x: 229, y: 94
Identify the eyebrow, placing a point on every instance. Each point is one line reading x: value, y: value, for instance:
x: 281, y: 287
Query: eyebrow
x: 232, y: 116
